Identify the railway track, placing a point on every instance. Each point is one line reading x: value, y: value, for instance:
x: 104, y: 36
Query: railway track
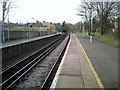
x: 48, y: 81
x: 17, y: 52
x: 11, y: 75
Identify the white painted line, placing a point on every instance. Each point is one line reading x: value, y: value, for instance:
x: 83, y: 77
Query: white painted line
x: 55, y: 80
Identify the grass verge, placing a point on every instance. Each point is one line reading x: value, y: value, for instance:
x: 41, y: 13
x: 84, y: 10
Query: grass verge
x: 105, y: 39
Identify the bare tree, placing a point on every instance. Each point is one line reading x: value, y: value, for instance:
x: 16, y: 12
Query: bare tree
x: 87, y: 11
x: 84, y: 10
x: 7, y: 5
x: 104, y: 11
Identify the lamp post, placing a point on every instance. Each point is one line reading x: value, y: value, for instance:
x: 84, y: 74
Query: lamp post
x: 83, y: 29
x: 90, y: 25
x: 8, y: 26
x: 3, y: 19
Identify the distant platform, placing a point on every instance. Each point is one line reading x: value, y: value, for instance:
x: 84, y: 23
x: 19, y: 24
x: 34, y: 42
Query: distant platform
x: 20, y: 41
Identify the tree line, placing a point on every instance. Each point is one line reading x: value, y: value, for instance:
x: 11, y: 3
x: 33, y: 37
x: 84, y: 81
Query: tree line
x: 104, y: 16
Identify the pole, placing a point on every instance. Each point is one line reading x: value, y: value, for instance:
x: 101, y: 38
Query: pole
x: 91, y: 26
x: 83, y: 28
x: 8, y: 27
x: 28, y: 30
x: 83, y: 31
x: 3, y: 20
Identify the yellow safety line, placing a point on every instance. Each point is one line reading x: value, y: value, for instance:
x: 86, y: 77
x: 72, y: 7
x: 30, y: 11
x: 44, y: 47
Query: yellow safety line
x: 92, y: 68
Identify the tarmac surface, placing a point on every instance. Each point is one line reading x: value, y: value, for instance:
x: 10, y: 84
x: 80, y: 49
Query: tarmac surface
x: 104, y: 58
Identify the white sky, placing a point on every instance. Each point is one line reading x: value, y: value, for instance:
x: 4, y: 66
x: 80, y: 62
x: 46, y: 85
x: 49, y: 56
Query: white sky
x: 45, y: 10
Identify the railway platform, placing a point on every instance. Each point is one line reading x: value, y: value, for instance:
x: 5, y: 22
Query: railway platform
x: 21, y: 41
x: 76, y: 70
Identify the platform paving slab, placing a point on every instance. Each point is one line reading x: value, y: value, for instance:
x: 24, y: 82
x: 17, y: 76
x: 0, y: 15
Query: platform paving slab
x: 70, y: 81
x: 76, y: 71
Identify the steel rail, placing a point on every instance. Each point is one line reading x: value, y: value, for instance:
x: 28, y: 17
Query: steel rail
x: 51, y: 74
x: 19, y: 72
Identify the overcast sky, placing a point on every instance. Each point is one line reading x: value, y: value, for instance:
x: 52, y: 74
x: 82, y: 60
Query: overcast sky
x: 45, y: 10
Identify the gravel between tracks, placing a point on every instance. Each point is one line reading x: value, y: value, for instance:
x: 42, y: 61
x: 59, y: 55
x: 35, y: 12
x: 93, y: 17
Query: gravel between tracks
x: 35, y: 77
